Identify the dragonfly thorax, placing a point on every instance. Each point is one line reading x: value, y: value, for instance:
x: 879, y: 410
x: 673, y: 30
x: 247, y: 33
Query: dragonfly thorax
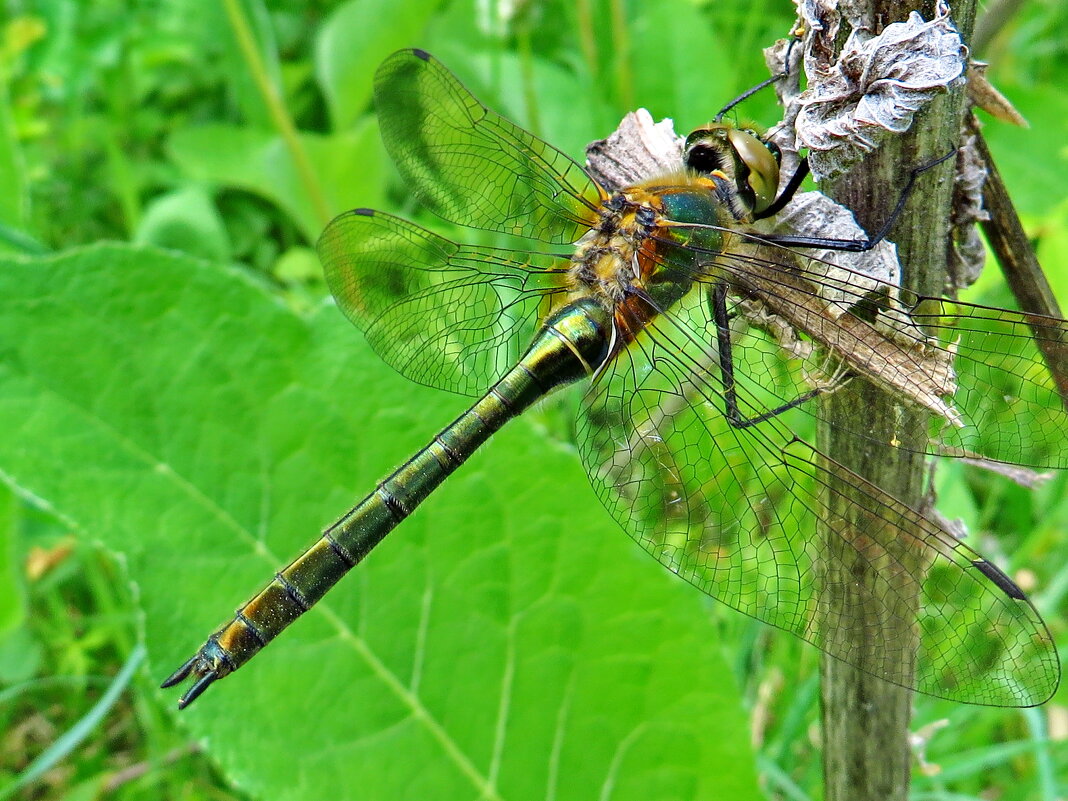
x: 651, y: 242
x: 605, y: 263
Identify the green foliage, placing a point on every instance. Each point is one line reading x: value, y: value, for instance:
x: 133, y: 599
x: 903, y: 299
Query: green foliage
x: 347, y: 165
x: 12, y: 597
x: 512, y: 651
x: 174, y: 433
x: 348, y: 50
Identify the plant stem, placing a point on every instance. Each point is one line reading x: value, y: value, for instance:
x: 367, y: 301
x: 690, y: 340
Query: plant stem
x: 865, y: 719
x: 276, y: 107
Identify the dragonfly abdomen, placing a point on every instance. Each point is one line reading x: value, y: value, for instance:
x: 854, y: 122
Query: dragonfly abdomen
x: 572, y: 344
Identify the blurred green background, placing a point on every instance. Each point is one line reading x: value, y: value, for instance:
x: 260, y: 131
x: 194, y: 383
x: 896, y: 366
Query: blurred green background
x: 182, y: 410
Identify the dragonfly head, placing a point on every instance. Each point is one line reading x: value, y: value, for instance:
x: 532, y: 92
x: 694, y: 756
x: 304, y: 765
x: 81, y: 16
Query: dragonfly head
x: 748, y: 162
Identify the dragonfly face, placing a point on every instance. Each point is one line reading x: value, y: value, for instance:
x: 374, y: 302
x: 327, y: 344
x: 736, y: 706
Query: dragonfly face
x: 747, y: 161
x: 748, y: 164
x: 684, y: 425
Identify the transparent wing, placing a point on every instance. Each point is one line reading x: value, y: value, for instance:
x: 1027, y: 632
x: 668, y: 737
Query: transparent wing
x: 732, y: 510
x: 978, y: 369
x: 472, y: 166
x: 446, y: 315
x: 1010, y: 406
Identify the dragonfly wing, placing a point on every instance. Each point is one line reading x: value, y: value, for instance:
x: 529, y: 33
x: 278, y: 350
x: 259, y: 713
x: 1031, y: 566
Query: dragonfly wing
x: 442, y: 314
x: 732, y: 511
x: 977, y: 369
x: 472, y: 166
x: 1009, y: 403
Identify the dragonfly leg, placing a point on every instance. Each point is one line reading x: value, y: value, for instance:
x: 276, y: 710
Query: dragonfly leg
x: 718, y: 303
x: 752, y: 90
x: 850, y: 245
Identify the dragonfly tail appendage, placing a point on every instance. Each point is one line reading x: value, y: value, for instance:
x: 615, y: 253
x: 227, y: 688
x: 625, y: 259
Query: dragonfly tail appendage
x: 198, y: 665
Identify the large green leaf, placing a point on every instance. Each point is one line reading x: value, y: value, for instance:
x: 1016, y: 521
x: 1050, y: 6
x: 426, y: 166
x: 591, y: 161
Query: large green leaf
x: 12, y: 597
x: 352, y: 43
x: 1032, y: 160
x: 506, y: 642
x: 669, y: 42
x: 347, y: 168
x: 14, y: 199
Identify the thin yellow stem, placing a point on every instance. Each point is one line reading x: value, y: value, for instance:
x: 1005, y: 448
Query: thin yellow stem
x: 587, y: 38
x: 621, y: 38
x: 277, y: 109
x: 526, y: 71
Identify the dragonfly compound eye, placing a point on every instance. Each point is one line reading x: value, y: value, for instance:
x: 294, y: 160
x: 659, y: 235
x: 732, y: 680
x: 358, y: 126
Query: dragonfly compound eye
x: 741, y: 156
x: 763, y: 167
x: 707, y: 150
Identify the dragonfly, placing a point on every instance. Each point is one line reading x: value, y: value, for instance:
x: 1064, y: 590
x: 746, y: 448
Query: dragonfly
x: 661, y: 297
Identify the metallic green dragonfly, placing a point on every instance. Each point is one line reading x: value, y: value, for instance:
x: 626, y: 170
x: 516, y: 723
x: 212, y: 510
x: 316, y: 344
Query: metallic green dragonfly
x: 662, y: 298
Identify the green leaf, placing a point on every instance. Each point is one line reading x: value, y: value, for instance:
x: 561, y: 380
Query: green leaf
x: 185, y: 220
x: 12, y: 596
x: 297, y: 265
x: 14, y: 200
x: 20, y: 661
x: 212, y: 29
x: 506, y: 642
x: 1053, y: 250
x: 354, y: 41
x: 1032, y: 161
x: 692, y: 96
x: 349, y: 166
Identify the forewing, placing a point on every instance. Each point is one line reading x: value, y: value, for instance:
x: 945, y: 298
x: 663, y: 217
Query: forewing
x: 732, y: 510
x: 472, y: 166
x: 450, y: 316
x: 977, y: 369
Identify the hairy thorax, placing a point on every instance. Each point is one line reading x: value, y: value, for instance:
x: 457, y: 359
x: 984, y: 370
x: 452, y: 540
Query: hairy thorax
x: 652, y: 241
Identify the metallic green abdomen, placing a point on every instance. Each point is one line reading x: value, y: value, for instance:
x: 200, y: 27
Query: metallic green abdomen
x: 571, y: 345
